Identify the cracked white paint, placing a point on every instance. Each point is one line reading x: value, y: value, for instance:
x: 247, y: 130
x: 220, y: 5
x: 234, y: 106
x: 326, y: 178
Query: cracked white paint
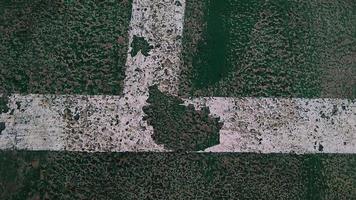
x: 114, y: 123
x: 32, y: 124
x: 271, y: 125
x: 160, y: 22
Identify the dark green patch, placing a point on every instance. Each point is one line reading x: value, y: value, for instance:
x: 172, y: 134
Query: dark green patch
x: 212, y: 66
x: 179, y: 127
x: 65, y: 175
x: 21, y: 174
x: 339, y: 177
x: 67, y: 47
x: 139, y: 44
x: 315, y: 181
x: 269, y: 48
x: 2, y: 126
x: 4, y: 99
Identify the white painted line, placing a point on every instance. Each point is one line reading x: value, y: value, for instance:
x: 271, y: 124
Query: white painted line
x: 271, y: 125
x: 265, y: 125
x: 32, y: 124
x: 160, y: 22
x: 75, y: 123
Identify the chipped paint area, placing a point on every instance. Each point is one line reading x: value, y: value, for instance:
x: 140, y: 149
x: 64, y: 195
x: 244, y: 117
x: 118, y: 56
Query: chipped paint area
x: 271, y: 125
x: 94, y: 123
x: 161, y: 24
x: 107, y: 123
x: 74, y: 123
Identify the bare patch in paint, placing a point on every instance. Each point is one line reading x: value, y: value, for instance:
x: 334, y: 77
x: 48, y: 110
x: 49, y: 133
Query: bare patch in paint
x: 3, y: 103
x: 2, y: 126
x: 180, y: 127
x: 140, y: 44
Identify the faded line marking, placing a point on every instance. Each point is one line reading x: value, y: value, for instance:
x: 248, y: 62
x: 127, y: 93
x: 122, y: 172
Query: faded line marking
x: 277, y: 125
x: 161, y: 24
x: 264, y: 125
x: 32, y: 124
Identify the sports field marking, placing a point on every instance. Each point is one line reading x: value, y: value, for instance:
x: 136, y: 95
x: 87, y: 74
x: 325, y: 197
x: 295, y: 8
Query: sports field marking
x: 105, y: 123
x: 114, y: 123
x: 277, y: 125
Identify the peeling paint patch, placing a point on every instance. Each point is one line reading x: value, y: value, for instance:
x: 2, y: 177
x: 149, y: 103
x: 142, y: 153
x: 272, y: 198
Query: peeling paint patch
x: 104, y: 124
x: 179, y: 127
x: 139, y: 44
x: 161, y: 25
x: 108, y: 123
x: 3, y: 103
x: 36, y: 125
x: 277, y: 125
x: 111, y: 123
x: 2, y: 126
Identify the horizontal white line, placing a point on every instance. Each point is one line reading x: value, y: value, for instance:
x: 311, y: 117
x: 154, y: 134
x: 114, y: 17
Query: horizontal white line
x: 105, y: 123
x: 279, y: 125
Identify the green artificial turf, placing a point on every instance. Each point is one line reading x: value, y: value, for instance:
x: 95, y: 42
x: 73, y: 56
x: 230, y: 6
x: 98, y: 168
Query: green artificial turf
x: 266, y: 48
x: 63, y: 47
x: 65, y: 175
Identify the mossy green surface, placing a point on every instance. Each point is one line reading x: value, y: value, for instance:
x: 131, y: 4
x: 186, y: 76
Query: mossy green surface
x: 63, y: 47
x: 65, y: 175
x: 269, y: 48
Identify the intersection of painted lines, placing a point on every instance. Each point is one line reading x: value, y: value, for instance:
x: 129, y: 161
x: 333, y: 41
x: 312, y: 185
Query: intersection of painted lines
x: 114, y: 123
x: 106, y: 123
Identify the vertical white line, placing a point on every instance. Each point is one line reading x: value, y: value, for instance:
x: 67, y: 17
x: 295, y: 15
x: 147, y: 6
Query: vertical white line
x: 160, y: 22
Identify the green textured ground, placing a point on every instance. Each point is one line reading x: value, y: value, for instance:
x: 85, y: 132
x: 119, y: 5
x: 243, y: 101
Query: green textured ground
x: 55, y: 175
x: 266, y: 48
x: 63, y: 47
